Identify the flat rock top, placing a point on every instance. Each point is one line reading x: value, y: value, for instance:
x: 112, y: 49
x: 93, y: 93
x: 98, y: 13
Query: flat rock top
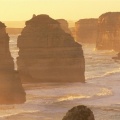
x: 111, y: 17
x: 110, y: 14
x: 62, y: 21
x: 90, y: 20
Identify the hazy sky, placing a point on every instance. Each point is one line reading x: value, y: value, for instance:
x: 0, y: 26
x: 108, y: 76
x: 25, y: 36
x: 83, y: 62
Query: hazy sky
x: 68, y: 9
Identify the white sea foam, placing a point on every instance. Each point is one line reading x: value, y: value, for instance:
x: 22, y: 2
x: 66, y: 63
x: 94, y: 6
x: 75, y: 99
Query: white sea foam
x: 100, y: 92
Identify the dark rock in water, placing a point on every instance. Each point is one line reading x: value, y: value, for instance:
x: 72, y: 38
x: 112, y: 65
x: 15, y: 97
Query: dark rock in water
x: 117, y: 57
x: 86, y: 30
x: 109, y: 31
x: 80, y: 112
x: 64, y: 25
x: 11, y: 90
x: 48, y: 54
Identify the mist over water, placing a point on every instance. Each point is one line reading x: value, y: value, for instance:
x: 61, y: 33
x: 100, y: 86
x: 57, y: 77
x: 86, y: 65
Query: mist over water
x: 50, y: 101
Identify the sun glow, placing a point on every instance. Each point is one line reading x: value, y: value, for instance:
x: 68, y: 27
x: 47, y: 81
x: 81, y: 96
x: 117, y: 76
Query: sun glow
x: 68, y: 9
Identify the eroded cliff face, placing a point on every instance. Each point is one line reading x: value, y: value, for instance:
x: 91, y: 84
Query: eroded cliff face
x: 48, y: 54
x: 11, y: 91
x: 64, y: 25
x: 109, y: 31
x: 86, y: 30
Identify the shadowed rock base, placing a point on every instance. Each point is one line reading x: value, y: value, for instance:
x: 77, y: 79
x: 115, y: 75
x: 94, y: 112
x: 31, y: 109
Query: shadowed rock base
x: 80, y: 112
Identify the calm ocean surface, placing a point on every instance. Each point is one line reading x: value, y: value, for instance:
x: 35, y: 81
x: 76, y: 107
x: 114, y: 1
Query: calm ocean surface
x: 50, y: 101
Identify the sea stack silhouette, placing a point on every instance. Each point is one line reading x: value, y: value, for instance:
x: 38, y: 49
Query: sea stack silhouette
x: 86, y: 30
x: 109, y: 31
x: 79, y: 112
x: 64, y: 25
x: 11, y: 90
x: 48, y: 54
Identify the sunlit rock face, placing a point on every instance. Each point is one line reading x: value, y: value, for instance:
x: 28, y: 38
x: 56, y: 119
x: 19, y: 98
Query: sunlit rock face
x: 48, y: 54
x: 80, y: 112
x: 11, y: 91
x: 109, y: 31
x: 86, y: 30
x: 64, y: 25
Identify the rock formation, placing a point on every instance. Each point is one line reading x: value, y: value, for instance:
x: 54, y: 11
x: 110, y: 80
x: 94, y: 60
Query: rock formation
x: 48, y: 54
x: 117, y: 57
x: 109, y: 31
x: 73, y: 32
x: 11, y: 91
x: 80, y: 112
x: 64, y: 25
x: 86, y: 30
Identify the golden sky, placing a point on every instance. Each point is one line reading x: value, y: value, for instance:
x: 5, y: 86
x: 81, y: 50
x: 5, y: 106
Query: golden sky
x: 17, y: 10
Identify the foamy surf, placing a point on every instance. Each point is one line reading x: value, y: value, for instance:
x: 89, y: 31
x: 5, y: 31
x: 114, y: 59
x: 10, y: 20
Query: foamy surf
x: 51, y: 101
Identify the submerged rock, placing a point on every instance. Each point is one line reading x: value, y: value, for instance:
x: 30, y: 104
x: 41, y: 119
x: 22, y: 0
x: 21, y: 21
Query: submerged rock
x: 109, y: 31
x: 117, y: 57
x: 64, y: 25
x: 48, y: 54
x: 11, y: 90
x: 86, y: 30
x: 80, y: 112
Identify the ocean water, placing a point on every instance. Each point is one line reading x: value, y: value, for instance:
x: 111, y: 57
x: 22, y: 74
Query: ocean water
x: 51, y: 101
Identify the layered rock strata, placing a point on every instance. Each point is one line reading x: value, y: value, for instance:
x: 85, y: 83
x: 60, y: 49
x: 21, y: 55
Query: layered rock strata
x: 80, y: 112
x: 86, y: 30
x: 48, y: 54
x: 64, y: 25
x: 109, y: 31
x: 11, y: 91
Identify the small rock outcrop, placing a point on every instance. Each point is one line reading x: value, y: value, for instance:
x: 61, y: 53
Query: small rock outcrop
x: 48, y: 54
x: 80, y: 112
x: 117, y: 57
x: 109, y: 31
x: 64, y: 25
x: 11, y: 90
x: 86, y: 30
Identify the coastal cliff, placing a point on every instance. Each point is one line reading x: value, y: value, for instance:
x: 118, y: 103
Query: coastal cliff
x: 48, y: 54
x: 11, y: 91
x: 86, y: 30
x: 109, y: 31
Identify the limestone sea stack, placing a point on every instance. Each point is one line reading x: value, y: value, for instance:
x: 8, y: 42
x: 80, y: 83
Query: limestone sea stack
x: 86, y: 30
x: 64, y: 25
x: 109, y: 31
x: 11, y: 90
x: 79, y: 112
x: 48, y: 54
